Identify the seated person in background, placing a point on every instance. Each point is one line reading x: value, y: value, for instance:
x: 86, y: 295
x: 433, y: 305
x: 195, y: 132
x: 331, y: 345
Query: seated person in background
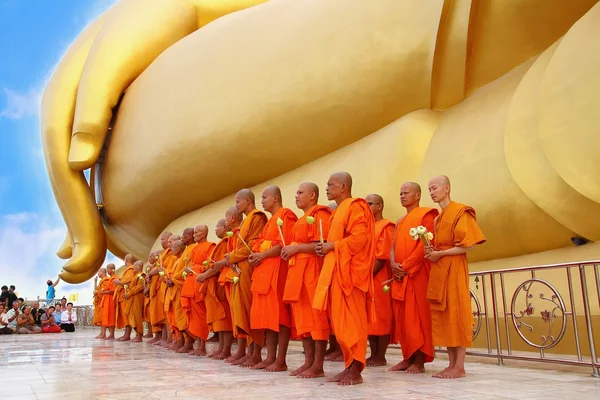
x: 51, y: 293
x: 21, y: 304
x: 68, y: 319
x: 37, y: 313
x: 57, y: 313
x: 48, y: 324
x: 4, y: 329
x: 12, y: 316
x: 26, y: 323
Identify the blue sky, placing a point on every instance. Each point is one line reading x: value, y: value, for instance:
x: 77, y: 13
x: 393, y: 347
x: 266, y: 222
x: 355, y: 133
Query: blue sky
x: 34, y: 36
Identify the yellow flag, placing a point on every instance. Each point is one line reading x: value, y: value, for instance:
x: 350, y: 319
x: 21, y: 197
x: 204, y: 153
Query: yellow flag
x: 73, y: 297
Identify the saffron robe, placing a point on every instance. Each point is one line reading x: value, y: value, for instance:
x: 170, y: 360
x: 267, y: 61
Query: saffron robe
x: 192, y: 297
x: 384, y: 234
x: 102, y: 285
x: 121, y: 319
x: 303, y: 275
x: 134, y: 304
x: 177, y: 315
x: 107, y: 304
x: 345, y: 286
x: 448, y: 288
x: 268, y: 281
x: 412, y: 314
x: 157, y: 306
x: 241, y: 295
x: 218, y: 312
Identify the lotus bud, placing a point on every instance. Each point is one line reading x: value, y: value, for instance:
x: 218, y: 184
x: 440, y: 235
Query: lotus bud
x: 310, y: 220
x: 279, y: 222
x: 236, y: 279
x: 161, y: 273
x: 386, y: 289
x: 184, y: 274
x: 229, y: 234
x: 205, y: 263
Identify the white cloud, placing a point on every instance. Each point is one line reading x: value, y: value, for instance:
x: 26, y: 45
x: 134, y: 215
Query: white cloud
x: 28, y: 243
x: 21, y: 104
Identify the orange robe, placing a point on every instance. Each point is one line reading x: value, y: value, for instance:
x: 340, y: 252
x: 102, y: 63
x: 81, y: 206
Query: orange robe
x: 303, y: 274
x: 268, y: 281
x: 158, y: 290
x: 384, y: 234
x: 107, y: 305
x: 412, y: 315
x: 345, y: 286
x: 218, y: 311
x: 241, y: 295
x: 191, y: 297
x: 448, y: 289
x: 177, y: 315
x: 121, y: 319
x: 98, y: 300
x: 134, y: 304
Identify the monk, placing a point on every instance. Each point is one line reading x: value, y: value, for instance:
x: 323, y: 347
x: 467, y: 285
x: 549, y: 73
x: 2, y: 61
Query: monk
x: 381, y: 330
x: 177, y: 315
x: 134, y: 301
x: 107, y: 303
x: 268, y: 311
x: 412, y: 315
x: 218, y: 311
x: 154, y: 308
x: 345, y: 286
x: 167, y: 262
x: 456, y: 232
x: 312, y: 326
x: 98, y: 288
x: 241, y: 294
x: 121, y: 319
x: 227, y: 274
x: 197, y: 315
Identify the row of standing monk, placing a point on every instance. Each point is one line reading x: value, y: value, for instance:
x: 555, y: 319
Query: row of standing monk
x: 341, y: 273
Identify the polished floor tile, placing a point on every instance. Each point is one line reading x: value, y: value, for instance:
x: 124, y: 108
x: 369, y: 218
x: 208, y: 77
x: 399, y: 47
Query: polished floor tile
x: 77, y: 366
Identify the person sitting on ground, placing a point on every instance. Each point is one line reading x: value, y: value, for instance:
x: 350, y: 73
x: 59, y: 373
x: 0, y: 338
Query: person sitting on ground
x: 37, y: 313
x: 57, y: 313
x: 68, y: 319
x: 51, y: 293
x: 26, y: 323
x: 4, y: 329
x: 48, y: 324
x: 12, y: 316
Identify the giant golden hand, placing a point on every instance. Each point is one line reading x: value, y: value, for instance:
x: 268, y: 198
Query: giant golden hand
x: 289, y: 91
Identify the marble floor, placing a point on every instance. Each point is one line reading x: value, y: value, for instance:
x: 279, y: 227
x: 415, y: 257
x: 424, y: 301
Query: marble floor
x: 76, y: 366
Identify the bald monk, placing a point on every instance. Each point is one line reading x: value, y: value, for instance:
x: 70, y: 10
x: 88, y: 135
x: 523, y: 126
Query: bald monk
x: 98, y: 288
x: 154, y: 308
x: 412, y: 315
x: 312, y: 326
x: 456, y: 232
x: 380, y: 330
x: 121, y: 319
x: 177, y: 315
x: 345, y: 286
x: 218, y: 311
x: 172, y: 338
x: 333, y: 353
x: 268, y: 312
x: 158, y: 289
x: 107, y: 303
x: 197, y: 320
x: 134, y: 301
x: 241, y: 294
x: 233, y: 220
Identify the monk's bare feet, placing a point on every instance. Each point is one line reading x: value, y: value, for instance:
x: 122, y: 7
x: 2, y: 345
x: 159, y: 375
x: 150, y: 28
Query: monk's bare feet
x: 251, y: 362
x: 137, y: 339
x: 351, y: 378
x: 333, y: 355
x: 201, y: 352
x: 439, y: 374
x: 99, y: 337
x: 242, y: 359
x: 222, y: 355
x: 262, y: 364
x: 153, y: 340
x: 415, y: 369
x: 300, y: 370
x: 453, y: 373
x: 277, y: 367
x: 148, y: 335
x: 311, y: 373
x: 176, y: 347
x: 235, y: 358
x: 375, y: 362
x: 401, y: 366
x: 111, y: 337
x: 339, y: 358
x: 338, y: 377
x: 123, y: 339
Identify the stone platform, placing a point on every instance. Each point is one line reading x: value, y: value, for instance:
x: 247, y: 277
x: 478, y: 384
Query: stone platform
x: 72, y: 366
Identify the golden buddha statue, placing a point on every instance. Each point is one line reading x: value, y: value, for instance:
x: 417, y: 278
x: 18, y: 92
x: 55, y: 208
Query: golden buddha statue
x: 175, y: 105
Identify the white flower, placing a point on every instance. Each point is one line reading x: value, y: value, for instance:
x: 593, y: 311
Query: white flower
x: 430, y: 236
x: 421, y: 230
x: 413, y: 233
